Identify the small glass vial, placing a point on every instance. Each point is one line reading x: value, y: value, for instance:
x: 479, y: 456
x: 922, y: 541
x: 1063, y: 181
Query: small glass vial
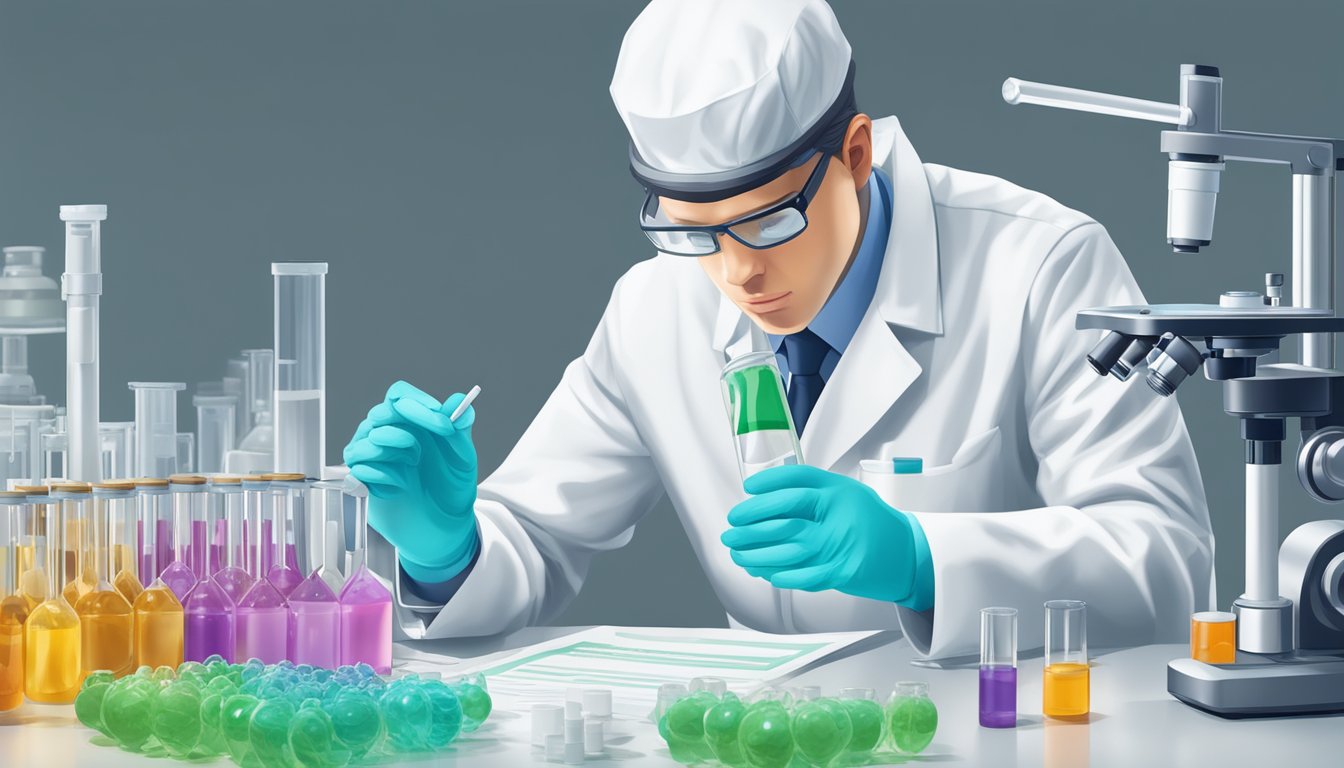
x: 763, y: 431
x: 998, y: 667
x: 1065, y: 689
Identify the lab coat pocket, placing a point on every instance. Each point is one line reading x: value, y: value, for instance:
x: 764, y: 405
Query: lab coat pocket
x: 971, y: 482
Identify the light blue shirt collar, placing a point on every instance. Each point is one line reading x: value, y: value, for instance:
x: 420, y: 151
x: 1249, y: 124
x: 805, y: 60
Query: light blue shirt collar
x: 839, y: 318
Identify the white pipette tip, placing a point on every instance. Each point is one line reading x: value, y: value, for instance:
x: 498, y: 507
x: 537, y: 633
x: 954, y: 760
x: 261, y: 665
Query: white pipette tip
x: 465, y: 404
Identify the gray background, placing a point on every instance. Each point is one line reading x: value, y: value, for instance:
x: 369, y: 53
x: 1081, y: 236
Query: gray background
x: 462, y: 169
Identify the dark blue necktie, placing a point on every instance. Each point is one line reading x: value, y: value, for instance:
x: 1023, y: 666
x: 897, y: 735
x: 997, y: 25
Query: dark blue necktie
x: 805, y: 351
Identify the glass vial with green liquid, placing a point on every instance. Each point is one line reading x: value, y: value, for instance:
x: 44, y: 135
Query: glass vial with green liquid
x: 763, y: 432
x: 52, y: 673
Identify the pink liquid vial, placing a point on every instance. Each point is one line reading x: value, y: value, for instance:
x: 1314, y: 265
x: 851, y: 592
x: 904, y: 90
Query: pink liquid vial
x: 262, y: 617
x: 366, y: 605
x: 314, y: 624
x: 226, y: 500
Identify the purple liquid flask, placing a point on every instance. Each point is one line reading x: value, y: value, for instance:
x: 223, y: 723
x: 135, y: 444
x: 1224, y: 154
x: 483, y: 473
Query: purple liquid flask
x: 156, y: 521
x: 262, y: 616
x: 208, y: 609
x: 366, y: 605
x: 287, y: 496
x: 314, y: 613
x: 998, y: 667
x: 231, y: 574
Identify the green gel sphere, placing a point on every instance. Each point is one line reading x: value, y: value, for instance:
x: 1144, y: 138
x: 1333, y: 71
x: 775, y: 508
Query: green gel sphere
x: 912, y: 722
x: 358, y: 721
x: 445, y: 714
x: 89, y: 705
x: 821, y: 731
x: 269, y: 733
x: 175, y: 718
x: 312, y: 739
x: 865, y: 717
x: 406, y: 711
x: 686, y: 728
x: 164, y: 674
x: 235, y: 724
x: 476, y: 704
x: 722, y: 722
x: 126, y: 711
x: 765, y: 736
x: 99, y: 677
x: 212, y: 734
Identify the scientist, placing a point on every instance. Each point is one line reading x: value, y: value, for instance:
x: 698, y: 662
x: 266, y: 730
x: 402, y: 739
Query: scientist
x: 915, y: 310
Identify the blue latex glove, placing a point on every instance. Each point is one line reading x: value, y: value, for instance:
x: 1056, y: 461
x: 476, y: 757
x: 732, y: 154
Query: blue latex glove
x: 420, y: 469
x: 805, y: 528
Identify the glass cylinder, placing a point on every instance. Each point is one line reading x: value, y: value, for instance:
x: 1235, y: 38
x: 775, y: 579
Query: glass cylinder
x: 214, y: 430
x: 187, y: 504
x: 300, y: 367
x: 314, y: 611
x: 1213, y: 637
x: 1065, y: 693
x: 226, y: 496
x: 156, y: 526
x: 156, y: 427
x: 288, y: 494
x: 81, y: 574
x: 998, y: 667
x: 52, y: 670
x: 262, y: 617
x: 21, y: 430
x: 54, y: 456
x: 763, y: 432
x: 366, y: 605
x: 208, y: 611
x: 105, y: 615
x: 186, y: 452
x: 33, y: 577
x: 14, y: 607
x: 117, y: 499
x: 158, y: 612
x: 117, y: 439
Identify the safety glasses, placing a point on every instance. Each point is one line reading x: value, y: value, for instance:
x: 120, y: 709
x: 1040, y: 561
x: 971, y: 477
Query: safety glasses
x: 767, y: 228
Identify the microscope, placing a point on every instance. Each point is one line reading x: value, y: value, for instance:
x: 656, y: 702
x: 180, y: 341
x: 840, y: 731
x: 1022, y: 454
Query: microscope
x: 1290, y: 619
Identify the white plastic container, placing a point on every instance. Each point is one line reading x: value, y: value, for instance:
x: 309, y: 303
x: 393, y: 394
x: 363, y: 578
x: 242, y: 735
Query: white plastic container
x: 81, y: 286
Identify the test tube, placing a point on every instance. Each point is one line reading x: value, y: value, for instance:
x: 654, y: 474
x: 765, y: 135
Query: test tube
x: 998, y: 667
x: 186, y: 452
x: 226, y: 495
x: 158, y: 612
x: 214, y: 430
x: 14, y: 608
x: 1065, y: 692
x: 259, y: 392
x: 300, y: 367
x: 366, y: 605
x: 187, y: 505
x: 105, y: 615
x: 118, y: 446
x: 753, y: 394
x: 54, y: 456
x: 117, y: 498
x: 80, y: 571
x: 262, y: 616
x: 286, y: 508
x: 81, y: 287
x: 33, y: 576
x: 156, y: 427
x: 21, y: 430
x: 314, y: 611
x: 51, y: 665
x: 208, y: 611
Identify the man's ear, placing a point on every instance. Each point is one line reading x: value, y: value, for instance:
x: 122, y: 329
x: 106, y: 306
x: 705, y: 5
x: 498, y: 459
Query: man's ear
x: 857, y: 153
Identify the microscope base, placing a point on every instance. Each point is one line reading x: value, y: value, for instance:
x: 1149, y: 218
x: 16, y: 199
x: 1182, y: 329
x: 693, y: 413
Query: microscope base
x: 1261, y: 686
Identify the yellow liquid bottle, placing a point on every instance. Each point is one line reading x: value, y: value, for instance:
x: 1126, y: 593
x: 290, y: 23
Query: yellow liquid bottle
x: 105, y: 616
x: 128, y: 585
x: 158, y: 627
x: 52, y: 673
x: 13, y: 613
x: 1065, y: 692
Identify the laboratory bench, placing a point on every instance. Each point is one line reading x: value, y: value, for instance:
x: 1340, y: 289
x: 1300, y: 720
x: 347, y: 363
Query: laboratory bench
x: 1134, y: 721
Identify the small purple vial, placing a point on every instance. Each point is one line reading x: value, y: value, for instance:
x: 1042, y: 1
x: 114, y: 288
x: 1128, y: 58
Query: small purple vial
x: 998, y: 667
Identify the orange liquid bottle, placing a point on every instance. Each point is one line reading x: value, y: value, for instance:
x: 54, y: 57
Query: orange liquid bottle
x: 51, y: 672
x: 105, y: 615
x: 13, y: 607
x: 159, y: 621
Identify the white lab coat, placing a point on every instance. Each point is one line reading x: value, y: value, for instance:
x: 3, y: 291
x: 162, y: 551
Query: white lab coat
x: 1055, y: 482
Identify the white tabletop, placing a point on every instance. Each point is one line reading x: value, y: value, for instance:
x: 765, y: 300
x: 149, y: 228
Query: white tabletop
x: 1134, y: 721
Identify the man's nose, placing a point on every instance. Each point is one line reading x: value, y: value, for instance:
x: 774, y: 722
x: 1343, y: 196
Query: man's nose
x: 741, y: 264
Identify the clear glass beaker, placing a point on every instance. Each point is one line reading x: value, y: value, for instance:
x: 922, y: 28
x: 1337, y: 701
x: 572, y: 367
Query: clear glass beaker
x: 1065, y: 693
x: 763, y: 433
x: 998, y: 667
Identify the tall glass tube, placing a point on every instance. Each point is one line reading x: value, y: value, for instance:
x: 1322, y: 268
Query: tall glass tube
x: 262, y: 617
x: 208, y: 610
x: 366, y: 605
x: 753, y: 394
x: 300, y: 367
x: 226, y: 496
x: 214, y: 430
x: 288, y: 492
x: 156, y: 427
x: 119, y: 499
x: 81, y: 572
x: 13, y: 607
x: 105, y: 615
x: 314, y: 610
x: 33, y: 577
x: 81, y: 287
x: 118, y: 447
x: 52, y: 669
x: 158, y: 612
x: 187, y: 504
x: 1065, y: 693
x: 998, y: 667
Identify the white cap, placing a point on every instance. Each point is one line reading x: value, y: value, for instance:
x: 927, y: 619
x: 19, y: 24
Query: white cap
x: 547, y: 720
x: 720, y: 96
x: 83, y: 212
x: 597, y: 702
